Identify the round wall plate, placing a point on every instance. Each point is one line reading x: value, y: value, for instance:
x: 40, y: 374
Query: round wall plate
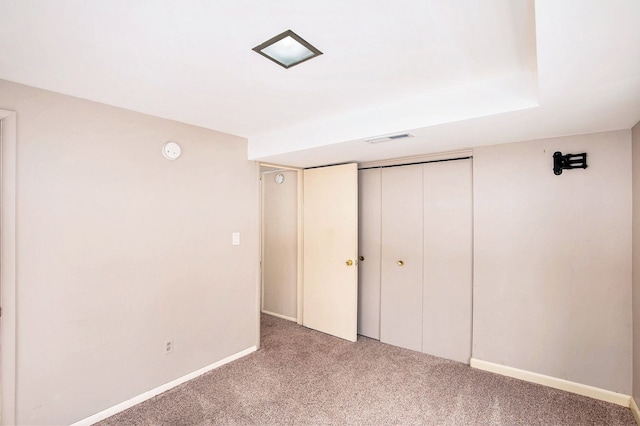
x: 171, y: 150
x: 279, y: 178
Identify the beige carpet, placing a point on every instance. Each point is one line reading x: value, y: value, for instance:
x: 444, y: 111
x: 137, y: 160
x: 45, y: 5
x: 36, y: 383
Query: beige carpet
x: 302, y: 377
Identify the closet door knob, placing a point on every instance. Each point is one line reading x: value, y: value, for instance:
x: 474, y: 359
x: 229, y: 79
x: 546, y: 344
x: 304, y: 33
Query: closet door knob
x: 349, y: 262
x: 400, y: 263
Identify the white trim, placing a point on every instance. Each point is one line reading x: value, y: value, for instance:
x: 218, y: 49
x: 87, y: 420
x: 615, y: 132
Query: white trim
x: 553, y: 382
x: 300, y: 250
x: 635, y: 410
x: 279, y: 166
x: 160, y: 389
x: 273, y: 314
x: 417, y: 159
x: 300, y: 272
x: 8, y: 271
x: 261, y: 289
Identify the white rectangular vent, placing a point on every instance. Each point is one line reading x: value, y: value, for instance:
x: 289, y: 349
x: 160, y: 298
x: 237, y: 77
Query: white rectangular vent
x: 388, y: 138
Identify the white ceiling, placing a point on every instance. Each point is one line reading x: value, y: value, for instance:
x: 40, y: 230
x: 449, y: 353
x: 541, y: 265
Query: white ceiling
x: 456, y: 73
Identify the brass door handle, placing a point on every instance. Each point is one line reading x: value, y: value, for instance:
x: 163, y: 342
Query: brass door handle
x: 400, y: 263
x: 349, y: 262
x: 361, y: 258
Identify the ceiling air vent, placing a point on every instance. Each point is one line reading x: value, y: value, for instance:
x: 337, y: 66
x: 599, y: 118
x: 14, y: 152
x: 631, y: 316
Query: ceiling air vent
x: 388, y: 138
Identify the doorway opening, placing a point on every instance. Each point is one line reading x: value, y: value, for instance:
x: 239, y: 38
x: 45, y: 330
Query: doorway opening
x: 316, y: 244
x: 281, y: 242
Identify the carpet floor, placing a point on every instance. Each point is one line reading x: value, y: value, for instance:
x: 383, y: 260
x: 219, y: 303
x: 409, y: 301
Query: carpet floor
x: 303, y: 377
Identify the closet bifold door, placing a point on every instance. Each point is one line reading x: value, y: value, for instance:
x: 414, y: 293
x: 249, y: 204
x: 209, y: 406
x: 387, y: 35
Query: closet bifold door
x: 369, y: 252
x: 401, y: 257
x: 447, y: 293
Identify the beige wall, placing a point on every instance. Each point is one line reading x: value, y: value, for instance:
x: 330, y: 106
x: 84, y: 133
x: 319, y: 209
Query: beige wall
x: 636, y: 262
x: 119, y: 249
x: 280, y: 244
x: 552, y: 259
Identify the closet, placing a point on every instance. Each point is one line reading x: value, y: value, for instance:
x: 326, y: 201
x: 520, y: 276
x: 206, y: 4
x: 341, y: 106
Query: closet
x: 416, y: 257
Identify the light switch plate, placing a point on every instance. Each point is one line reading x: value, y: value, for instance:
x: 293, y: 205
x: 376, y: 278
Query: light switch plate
x: 235, y: 239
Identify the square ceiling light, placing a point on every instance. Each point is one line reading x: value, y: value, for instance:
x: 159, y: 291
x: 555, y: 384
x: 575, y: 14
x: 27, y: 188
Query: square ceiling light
x: 287, y: 49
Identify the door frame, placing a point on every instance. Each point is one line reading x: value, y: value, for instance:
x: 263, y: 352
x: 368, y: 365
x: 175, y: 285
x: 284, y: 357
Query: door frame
x: 299, y: 231
x: 8, y: 146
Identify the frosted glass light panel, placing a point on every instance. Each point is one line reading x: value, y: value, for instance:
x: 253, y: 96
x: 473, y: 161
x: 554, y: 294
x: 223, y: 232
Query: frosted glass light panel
x: 287, y: 49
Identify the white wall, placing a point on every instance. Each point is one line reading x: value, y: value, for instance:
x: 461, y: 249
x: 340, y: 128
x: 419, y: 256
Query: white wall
x: 636, y: 262
x: 119, y: 249
x: 552, y: 259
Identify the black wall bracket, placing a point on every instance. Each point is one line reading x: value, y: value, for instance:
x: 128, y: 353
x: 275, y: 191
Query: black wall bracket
x: 568, y: 161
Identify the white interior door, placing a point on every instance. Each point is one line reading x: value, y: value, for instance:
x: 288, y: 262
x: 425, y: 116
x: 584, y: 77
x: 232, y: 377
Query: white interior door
x: 330, y: 250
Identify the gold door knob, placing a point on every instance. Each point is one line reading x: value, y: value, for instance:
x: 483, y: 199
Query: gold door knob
x: 400, y: 263
x: 361, y: 258
x: 349, y: 262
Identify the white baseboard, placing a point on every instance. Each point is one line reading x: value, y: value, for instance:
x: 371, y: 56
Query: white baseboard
x: 280, y: 316
x: 160, y: 389
x: 635, y: 410
x: 553, y: 382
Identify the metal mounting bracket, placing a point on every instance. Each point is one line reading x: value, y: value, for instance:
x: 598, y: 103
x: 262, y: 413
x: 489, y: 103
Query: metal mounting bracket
x: 568, y: 161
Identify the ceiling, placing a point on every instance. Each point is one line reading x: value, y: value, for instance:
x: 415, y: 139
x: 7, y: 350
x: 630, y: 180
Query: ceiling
x: 455, y: 73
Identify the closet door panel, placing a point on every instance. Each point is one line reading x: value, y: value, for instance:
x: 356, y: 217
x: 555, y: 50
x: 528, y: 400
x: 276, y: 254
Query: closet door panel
x: 401, y: 267
x: 448, y: 259
x: 369, y: 204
